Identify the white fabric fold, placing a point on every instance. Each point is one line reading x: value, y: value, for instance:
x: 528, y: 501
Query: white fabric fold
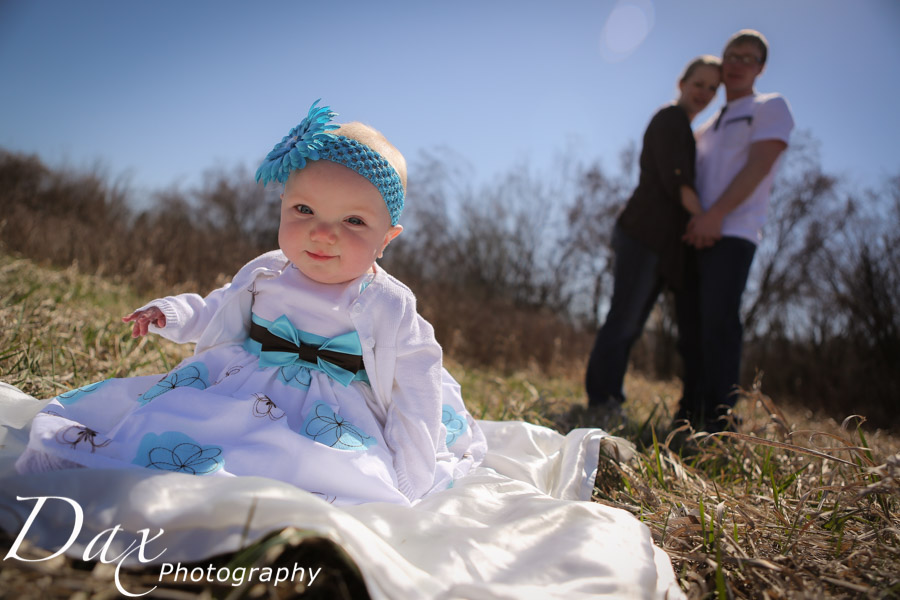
x: 519, y: 526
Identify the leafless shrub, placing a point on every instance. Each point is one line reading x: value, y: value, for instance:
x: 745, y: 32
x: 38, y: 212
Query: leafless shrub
x: 189, y: 237
x: 823, y: 307
x: 517, y: 272
x: 805, y: 212
x: 56, y: 215
x: 496, y: 269
x: 207, y: 233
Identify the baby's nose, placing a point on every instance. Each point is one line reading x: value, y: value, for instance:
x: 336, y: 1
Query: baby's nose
x: 323, y: 232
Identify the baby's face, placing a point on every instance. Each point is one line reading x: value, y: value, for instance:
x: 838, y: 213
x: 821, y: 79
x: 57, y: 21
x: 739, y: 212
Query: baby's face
x: 334, y: 223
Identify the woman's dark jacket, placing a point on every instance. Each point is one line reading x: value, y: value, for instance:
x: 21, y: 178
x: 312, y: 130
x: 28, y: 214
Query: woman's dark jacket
x: 654, y: 215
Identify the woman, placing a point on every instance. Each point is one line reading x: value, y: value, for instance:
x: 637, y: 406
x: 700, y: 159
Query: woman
x: 647, y: 237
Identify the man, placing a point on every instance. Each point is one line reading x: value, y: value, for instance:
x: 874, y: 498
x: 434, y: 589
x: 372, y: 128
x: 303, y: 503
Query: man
x: 737, y: 153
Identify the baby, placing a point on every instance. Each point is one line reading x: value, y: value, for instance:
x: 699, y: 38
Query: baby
x: 312, y: 366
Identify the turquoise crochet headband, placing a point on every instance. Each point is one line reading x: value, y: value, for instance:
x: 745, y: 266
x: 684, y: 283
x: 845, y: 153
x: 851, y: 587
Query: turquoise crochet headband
x: 311, y: 140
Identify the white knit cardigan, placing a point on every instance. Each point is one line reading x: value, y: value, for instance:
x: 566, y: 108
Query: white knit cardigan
x: 403, y: 360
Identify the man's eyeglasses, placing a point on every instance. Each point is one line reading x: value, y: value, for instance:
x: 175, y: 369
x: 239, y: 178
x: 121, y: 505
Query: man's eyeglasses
x: 743, y: 59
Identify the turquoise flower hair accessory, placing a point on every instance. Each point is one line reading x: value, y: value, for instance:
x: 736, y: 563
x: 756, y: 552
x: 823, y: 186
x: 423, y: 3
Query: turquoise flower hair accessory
x: 302, y: 143
x: 311, y: 140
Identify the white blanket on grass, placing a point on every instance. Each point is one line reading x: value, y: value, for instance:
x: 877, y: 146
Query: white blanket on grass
x: 519, y: 526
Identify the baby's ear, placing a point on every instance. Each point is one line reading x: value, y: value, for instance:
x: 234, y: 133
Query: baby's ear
x: 392, y: 233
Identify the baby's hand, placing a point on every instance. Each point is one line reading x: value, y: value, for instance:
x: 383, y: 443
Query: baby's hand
x: 143, y: 318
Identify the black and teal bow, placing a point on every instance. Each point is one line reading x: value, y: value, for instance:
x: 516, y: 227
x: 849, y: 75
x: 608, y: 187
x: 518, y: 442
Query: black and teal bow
x: 339, y: 357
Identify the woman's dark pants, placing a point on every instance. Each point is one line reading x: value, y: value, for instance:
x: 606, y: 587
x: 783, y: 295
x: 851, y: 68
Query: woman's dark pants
x: 637, y: 285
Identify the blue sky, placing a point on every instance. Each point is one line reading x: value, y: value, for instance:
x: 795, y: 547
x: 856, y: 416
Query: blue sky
x: 158, y: 92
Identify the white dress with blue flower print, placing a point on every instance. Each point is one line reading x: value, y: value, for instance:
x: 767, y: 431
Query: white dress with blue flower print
x: 221, y: 412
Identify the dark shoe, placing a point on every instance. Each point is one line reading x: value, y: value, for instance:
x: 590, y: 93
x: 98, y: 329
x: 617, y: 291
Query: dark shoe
x: 683, y: 440
x: 684, y: 417
x: 726, y: 421
x: 607, y: 415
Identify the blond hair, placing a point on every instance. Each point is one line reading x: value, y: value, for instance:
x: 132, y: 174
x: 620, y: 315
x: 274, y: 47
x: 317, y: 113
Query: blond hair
x: 705, y: 60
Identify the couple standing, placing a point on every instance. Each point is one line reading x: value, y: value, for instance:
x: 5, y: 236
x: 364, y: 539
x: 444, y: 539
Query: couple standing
x: 699, y: 243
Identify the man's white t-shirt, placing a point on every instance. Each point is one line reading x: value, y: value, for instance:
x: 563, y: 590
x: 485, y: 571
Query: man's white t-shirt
x: 722, y: 152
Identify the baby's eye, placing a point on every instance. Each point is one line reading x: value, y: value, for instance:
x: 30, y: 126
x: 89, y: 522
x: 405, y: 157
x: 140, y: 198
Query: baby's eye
x: 303, y: 209
x: 356, y: 221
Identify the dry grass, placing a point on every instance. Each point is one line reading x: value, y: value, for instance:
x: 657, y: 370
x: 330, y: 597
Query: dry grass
x: 60, y: 329
x: 795, y: 506
x: 776, y: 511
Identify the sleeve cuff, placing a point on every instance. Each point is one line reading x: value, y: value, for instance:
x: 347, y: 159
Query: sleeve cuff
x: 168, y: 310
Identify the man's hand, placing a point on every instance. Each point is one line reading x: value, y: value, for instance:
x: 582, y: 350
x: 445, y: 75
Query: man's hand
x: 143, y: 319
x: 703, y: 230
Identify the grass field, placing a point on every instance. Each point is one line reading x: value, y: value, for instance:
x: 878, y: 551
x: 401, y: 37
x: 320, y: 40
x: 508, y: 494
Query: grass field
x: 796, y: 505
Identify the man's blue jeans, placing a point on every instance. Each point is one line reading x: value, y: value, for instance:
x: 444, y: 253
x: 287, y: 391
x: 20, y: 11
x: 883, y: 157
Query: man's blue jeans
x: 710, y: 332
x: 637, y: 285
